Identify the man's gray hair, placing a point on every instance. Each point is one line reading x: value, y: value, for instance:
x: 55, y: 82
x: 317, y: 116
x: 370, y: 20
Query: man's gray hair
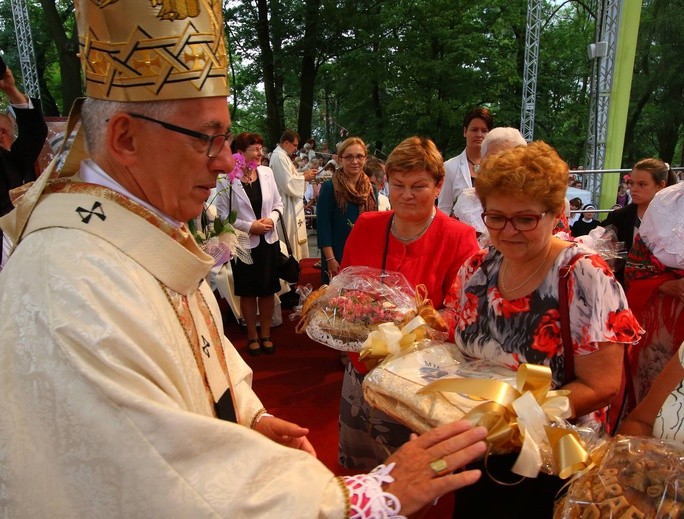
x: 502, y: 135
x: 11, y: 124
x: 97, y: 112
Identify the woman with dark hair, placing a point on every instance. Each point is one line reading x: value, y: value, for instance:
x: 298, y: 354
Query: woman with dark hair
x: 340, y: 203
x: 256, y: 199
x: 461, y: 170
x: 648, y: 176
x: 375, y: 169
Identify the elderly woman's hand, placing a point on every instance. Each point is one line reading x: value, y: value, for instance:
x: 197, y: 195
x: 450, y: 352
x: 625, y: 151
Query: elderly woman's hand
x: 417, y: 481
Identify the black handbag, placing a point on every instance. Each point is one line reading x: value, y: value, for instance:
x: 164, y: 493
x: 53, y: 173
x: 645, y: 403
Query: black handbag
x: 288, y: 268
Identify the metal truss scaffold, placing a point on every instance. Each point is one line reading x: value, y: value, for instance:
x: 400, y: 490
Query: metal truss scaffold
x: 529, y: 95
x: 603, y: 55
x: 25, y: 45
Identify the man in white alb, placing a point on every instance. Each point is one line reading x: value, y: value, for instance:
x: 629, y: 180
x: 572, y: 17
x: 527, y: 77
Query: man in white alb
x: 292, y: 187
x: 120, y: 395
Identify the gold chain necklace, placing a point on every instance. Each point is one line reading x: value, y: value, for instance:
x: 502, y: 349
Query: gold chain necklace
x: 409, y: 239
x: 514, y: 289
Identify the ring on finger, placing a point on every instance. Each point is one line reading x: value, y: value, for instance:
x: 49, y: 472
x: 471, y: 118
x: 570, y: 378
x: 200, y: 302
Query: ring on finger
x: 439, y: 467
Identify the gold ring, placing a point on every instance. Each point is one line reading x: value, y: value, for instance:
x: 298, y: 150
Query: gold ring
x: 439, y: 467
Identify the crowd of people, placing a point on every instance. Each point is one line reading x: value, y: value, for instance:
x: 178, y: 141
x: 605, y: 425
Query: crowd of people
x: 491, y: 260
x: 123, y: 397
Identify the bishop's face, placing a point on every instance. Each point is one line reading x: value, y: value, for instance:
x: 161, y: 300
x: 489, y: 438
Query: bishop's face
x: 173, y: 172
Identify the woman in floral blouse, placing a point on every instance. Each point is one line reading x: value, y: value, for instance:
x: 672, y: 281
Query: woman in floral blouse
x: 505, y: 303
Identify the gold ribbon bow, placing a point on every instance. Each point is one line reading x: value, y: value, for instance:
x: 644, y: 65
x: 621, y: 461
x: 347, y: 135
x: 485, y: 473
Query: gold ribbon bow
x: 426, y: 310
x: 390, y: 339
x: 520, y: 418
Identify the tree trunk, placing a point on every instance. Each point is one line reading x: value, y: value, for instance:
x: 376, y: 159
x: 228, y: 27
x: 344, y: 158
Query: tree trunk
x: 632, y: 122
x: 67, y: 49
x: 268, y: 67
x: 667, y: 137
x: 379, y: 121
x: 308, y: 75
x: 278, y: 67
x: 47, y: 100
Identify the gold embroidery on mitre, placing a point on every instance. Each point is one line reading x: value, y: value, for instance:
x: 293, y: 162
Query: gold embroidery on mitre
x: 103, y: 3
x: 156, y: 50
x: 195, y: 57
x: 177, y: 9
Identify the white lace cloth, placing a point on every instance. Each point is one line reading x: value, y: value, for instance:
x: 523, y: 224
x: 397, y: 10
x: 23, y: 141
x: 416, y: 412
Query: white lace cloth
x: 367, y: 498
x: 323, y: 336
x: 662, y: 227
x: 468, y: 209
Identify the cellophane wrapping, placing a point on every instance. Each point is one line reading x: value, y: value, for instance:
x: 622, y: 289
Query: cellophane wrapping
x: 393, y: 386
x: 634, y: 478
x: 357, y: 300
x: 604, y: 242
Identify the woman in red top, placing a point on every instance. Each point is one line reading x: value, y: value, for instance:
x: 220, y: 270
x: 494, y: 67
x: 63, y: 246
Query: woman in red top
x: 427, y: 247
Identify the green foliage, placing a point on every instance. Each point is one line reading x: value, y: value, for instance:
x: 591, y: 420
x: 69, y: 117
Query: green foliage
x: 46, y: 53
x: 563, y: 92
x: 656, y: 117
x: 388, y: 69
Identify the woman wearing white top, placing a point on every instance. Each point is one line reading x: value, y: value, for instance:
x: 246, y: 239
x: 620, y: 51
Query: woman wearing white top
x: 257, y: 201
x: 462, y: 169
x: 659, y: 413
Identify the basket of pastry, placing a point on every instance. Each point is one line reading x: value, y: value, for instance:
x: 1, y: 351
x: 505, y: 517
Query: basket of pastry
x: 342, y: 315
x: 634, y: 478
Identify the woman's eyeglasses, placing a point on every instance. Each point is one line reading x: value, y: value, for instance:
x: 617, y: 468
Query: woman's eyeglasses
x: 520, y: 222
x: 352, y: 158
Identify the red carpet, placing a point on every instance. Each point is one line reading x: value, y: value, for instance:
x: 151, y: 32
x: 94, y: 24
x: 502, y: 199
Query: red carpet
x: 302, y: 383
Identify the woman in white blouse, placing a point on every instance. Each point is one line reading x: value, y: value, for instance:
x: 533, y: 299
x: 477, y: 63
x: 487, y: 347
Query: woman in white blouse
x: 661, y: 412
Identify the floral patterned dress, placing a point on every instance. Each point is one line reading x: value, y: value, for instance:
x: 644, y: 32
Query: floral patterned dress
x: 527, y: 329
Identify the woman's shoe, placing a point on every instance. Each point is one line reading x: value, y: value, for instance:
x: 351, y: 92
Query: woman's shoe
x: 251, y: 349
x: 267, y: 346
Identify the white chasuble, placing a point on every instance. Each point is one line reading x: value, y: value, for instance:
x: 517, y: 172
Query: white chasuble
x: 112, y: 359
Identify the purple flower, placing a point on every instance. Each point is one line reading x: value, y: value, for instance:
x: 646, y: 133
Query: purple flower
x: 241, y: 167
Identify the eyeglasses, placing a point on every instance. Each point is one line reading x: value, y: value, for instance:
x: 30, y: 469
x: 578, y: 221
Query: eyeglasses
x: 520, y: 222
x: 255, y: 149
x: 352, y: 158
x: 214, y: 142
